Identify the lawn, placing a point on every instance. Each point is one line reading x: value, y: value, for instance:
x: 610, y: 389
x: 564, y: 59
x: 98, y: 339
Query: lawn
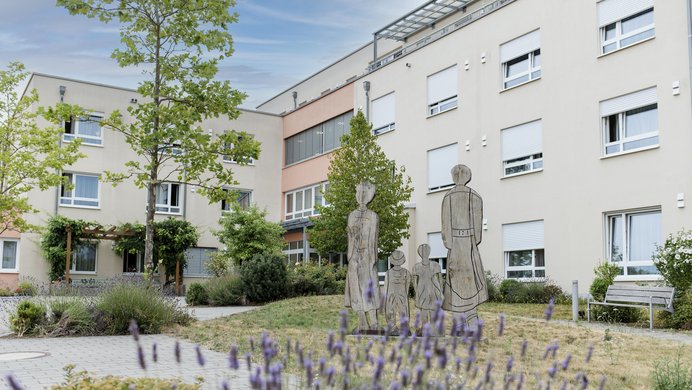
x: 626, y: 360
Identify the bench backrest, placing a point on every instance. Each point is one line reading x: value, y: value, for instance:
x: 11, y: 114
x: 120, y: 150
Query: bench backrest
x: 641, y: 294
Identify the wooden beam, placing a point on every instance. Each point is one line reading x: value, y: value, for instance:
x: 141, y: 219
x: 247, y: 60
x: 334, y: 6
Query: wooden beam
x: 68, y: 254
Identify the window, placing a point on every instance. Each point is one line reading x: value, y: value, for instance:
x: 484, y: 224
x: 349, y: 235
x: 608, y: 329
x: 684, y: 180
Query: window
x: 630, y: 122
x: 243, y: 199
x: 173, y: 148
x: 88, y: 129
x: 10, y: 251
x: 294, y: 251
x: 522, y: 148
x: 624, y: 22
x: 521, y: 59
x: 168, y: 198
x: 523, y: 246
x: 442, y: 91
x: 301, y: 203
x: 84, y: 258
x: 317, y: 140
x: 85, y: 191
x: 440, y: 163
x: 383, y: 114
x: 230, y: 159
x: 438, y: 252
x: 632, y: 240
x: 133, y: 262
x: 197, y: 259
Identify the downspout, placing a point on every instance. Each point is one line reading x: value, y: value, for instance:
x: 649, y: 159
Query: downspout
x: 366, y: 87
x: 61, y: 90
x: 689, y: 42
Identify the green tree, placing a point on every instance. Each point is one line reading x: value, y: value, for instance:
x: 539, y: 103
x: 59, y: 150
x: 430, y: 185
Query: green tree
x: 246, y: 232
x: 173, y: 238
x: 359, y: 159
x: 178, y: 45
x: 30, y: 157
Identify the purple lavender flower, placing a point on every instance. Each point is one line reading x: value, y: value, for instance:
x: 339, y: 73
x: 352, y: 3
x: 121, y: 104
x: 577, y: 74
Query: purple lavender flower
x: 343, y: 324
x: 564, y: 385
x: 248, y: 360
x: 308, y: 371
x: 140, y: 357
x: 524, y: 344
x: 252, y: 343
x: 440, y: 322
x: 501, y: 325
x: 405, y: 377
x: 176, y: 352
x: 479, y: 331
x: 549, y: 310
x: 589, y: 353
x: 395, y: 385
x: 554, y: 347
x: 457, y: 363
x: 154, y: 353
x: 233, y: 358
x: 565, y: 363
x: 418, y: 377
x: 256, y: 379
x: 428, y: 356
x: 224, y: 385
x: 416, y: 324
x: 520, y: 383
x: 552, y: 370
x: 330, y: 375
x: 200, y: 358
x: 317, y: 384
x: 339, y: 347
x: 510, y: 363
x: 134, y: 329
x: 330, y: 342
x: 488, y: 370
x: 322, y: 364
x: 12, y: 382
x: 584, y: 382
x: 601, y: 383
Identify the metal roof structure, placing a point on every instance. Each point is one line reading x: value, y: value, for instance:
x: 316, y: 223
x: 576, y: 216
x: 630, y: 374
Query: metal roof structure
x: 420, y: 18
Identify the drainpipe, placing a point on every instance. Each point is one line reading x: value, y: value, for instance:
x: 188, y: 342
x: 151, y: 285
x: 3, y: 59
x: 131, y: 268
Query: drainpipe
x: 366, y: 87
x: 61, y: 89
x: 689, y: 41
x: 295, y: 99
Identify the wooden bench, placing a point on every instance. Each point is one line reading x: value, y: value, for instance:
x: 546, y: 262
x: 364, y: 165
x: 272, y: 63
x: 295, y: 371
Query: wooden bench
x: 654, y: 298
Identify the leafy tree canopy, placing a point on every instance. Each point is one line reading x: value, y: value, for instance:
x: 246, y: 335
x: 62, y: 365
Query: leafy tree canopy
x: 246, y: 232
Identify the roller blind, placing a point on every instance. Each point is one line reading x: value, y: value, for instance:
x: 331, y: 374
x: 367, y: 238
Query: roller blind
x: 522, y: 45
x: 610, y: 11
x: 442, y: 85
x: 628, y: 102
x: 440, y: 163
x: 437, y: 248
x: 522, y: 236
x: 523, y: 140
x: 383, y: 111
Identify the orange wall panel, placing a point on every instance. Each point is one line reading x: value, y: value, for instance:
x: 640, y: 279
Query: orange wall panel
x: 331, y: 105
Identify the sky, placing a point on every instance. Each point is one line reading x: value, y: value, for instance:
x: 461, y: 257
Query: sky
x: 277, y: 42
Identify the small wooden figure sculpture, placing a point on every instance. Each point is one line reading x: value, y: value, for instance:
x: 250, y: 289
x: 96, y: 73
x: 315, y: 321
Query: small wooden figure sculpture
x: 362, y: 286
x: 397, y: 280
x: 426, y: 281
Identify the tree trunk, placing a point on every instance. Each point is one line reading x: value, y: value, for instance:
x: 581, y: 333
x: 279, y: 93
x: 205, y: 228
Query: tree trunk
x: 149, y: 232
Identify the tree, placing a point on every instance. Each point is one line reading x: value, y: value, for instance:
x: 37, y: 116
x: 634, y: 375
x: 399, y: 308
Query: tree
x: 359, y: 159
x: 246, y: 233
x: 30, y: 157
x: 173, y: 238
x: 178, y: 44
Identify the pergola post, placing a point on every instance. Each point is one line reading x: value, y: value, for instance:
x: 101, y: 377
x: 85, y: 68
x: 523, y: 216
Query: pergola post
x: 177, y: 277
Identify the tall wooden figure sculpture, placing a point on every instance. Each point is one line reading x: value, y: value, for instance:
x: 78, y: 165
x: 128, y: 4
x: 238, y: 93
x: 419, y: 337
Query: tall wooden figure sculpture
x: 426, y: 281
x: 362, y: 286
x: 462, y: 219
x: 397, y: 281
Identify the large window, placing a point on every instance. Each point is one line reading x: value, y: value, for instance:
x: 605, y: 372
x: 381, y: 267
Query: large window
x: 317, y: 140
x: 630, y: 122
x: 10, y: 254
x: 88, y: 129
x: 442, y: 91
x: 168, y: 198
x: 301, y: 203
x: 523, y: 247
x: 438, y: 252
x: 84, y: 192
x: 521, y: 59
x: 84, y: 258
x: 522, y: 148
x: 625, y: 22
x: 133, y: 262
x: 243, y: 198
x: 632, y: 240
x: 440, y: 163
x: 383, y: 114
x: 197, y: 259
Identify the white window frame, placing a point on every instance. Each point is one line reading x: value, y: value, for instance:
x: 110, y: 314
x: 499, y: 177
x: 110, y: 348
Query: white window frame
x: 73, y: 262
x: 69, y: 201
x: 532, y: 73
x: 447, y: 103
x: 304, y: 212
x: 168, y: 208
x: 625, y: 216
x: 450, y: 182
x: 532, y: 267
x: 16, y: 255
x: 533, y: 161
x: 621, y: 128
x: 86, y: 138
x: 387, y: 127
x: 226, y: 206
x: 619, y: 36
x: 434, y: 240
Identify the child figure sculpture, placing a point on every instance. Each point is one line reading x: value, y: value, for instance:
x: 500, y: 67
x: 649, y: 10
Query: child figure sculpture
x: 397, y: 281
x: 426, y: 280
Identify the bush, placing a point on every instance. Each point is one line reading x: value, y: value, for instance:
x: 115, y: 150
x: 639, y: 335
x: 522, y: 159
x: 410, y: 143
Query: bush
x: 26, y: 288
x: 148, y: 307
x: 27, y: 318
x: 265, y: 278
x: 312, y: 279
x: 71, y: 317
x: 513, y: 291
x: 681, y: 318
x: 671, y: 374
x: 5, y: 292
x: 219, y: 265
x: 605, y: 276
x: 674, y: 260
x: 492, y: 281
x: 196, y: 295
x: 225, y: 291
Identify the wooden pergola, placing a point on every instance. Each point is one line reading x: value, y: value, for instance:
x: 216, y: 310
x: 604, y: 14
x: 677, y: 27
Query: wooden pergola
x: 96, y: 232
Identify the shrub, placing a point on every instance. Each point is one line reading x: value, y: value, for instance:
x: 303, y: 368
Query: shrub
x: 219, y: 265
x: 82, y: 380
x: 681, y: 318
x: 71, y: 317
x: 245, y: 232
x: 265, y: 278
x: 196, y: 295
x: 26, y: 288
x: 492, y: 281
x: 671, y: 374
x: 312, y: 279
x: 513, y: 291
x: 225, y: 291
x: 5, y: 292
x: 674, y: 260
x: 27, y: 318
x: 148, y: 307
x: 605, y: 276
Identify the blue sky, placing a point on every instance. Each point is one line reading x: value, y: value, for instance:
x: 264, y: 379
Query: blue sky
x: 277, y: 42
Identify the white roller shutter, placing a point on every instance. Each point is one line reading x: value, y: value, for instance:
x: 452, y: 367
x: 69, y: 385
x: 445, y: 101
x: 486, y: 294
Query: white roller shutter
x: 437, y: 248
x: 442, y: 85
x: 628, y: 102
x: 523, y: 140
x: 383, y: 111
x: 610, y: 11
x: 522, y: 45
x: 440, y: 163
x: 522, y: 236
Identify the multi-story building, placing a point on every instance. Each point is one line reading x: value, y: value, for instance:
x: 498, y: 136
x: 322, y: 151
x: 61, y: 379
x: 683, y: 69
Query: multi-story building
x: 575, y: 119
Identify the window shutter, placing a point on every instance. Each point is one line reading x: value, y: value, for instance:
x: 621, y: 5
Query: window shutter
x: 437, y: 248
x: 442, y: 85
x: 440, y: 163
x: 522, y: 236
x: 610, y: 11
x: 522, y: 45
x: 522, y: 140
x: 383, y: 111
x: 628, y: 102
